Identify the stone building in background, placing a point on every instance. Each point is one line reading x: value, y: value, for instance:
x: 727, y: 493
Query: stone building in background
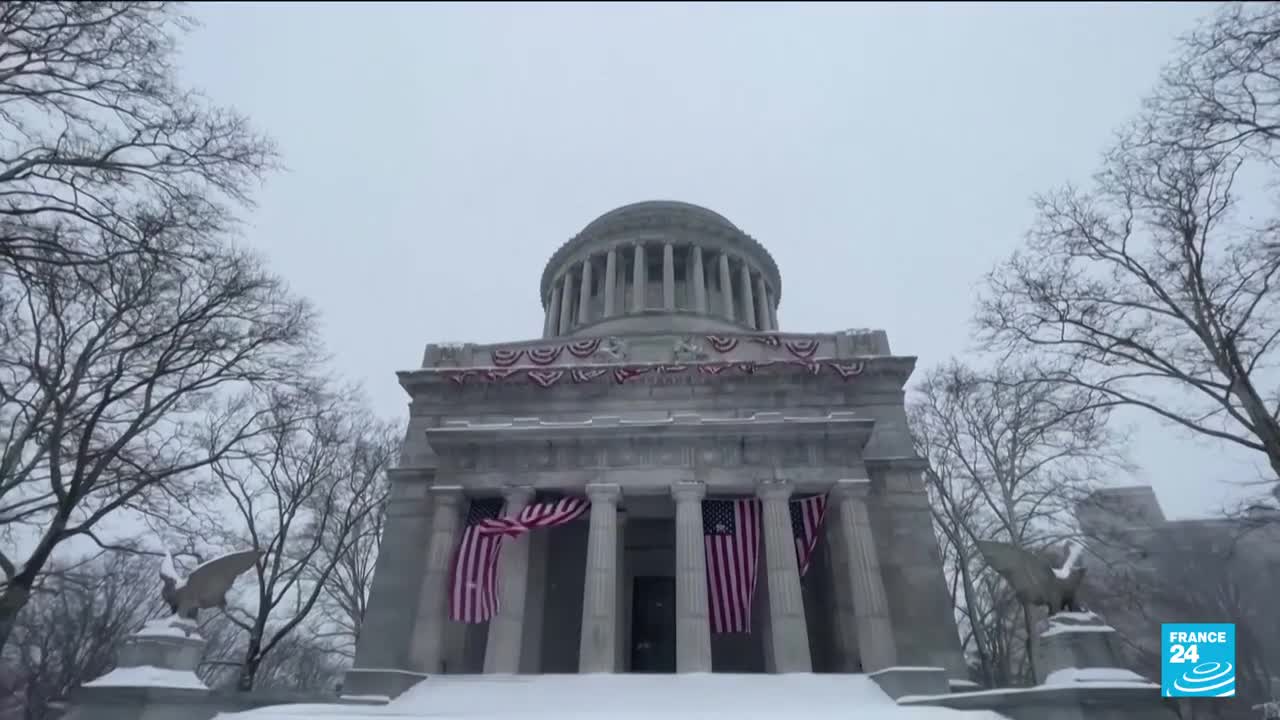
x: 661, y: 380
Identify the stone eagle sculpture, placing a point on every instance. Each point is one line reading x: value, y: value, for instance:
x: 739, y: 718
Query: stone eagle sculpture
x: 1034, y: 577
x: 206, y: 588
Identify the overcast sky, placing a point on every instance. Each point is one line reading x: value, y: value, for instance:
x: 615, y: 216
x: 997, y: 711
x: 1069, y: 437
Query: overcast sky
x: 884, y: 153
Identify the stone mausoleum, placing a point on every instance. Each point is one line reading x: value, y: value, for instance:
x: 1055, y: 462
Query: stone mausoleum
x: 661, y: 378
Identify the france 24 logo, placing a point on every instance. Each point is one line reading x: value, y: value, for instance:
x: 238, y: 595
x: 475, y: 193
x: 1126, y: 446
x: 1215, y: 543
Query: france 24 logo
x: 1198, y: 660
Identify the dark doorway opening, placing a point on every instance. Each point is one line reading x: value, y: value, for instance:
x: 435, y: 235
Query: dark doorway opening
x: 653, y: 625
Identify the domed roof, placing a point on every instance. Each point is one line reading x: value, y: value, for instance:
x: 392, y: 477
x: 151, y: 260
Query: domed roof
x: 649, y: 208
x: 653, y: 214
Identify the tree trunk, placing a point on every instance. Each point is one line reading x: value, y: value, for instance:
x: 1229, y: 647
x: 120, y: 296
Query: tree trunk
x: 979, y: 633
x: 252, y: 660
x: 15, y: 596
x: 17, y: 591
x: 1031, y: 642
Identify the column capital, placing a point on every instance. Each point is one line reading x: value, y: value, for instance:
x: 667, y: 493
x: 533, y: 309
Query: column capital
x: 688, y: 491
x: 775, y: 489
x: 446, y: 494
x: 858, y: 488
x: 517, y: 493
x: 603, y: 492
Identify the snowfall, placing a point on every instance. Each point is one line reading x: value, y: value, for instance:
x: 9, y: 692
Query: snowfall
x: 671, y: 697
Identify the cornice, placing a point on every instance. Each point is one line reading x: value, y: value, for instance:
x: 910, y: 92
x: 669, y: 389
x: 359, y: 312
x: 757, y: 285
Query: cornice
x: 852, y: 429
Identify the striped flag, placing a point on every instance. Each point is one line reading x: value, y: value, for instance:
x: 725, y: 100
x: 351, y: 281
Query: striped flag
x: 731, y: 531
x: 474, y: 588
x: 538, y: 515
x: 473, y: 596
x: 806, y: 521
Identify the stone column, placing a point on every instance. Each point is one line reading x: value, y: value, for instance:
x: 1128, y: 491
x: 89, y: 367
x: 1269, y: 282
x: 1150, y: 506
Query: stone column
x: 506, y: 629
x: 748, y: 299
x: 427, y: 647
x: 620, y: 601
x: 668, y: 277
x: 597, y: 651
x: 773, y: 308
x: 638, y: 280
x: 566, y: 303
x: 726, y: 287
x: 875, y: 631
x: 610, y: 282
x: 553, y: 315
x: 699, y: 281
x: 693, y: 620
x: 584, y: 293
x: 787, y: 626
x: 762, y: 305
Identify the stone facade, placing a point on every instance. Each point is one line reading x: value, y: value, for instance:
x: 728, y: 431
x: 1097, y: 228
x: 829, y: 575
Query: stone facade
x: 661, y: 379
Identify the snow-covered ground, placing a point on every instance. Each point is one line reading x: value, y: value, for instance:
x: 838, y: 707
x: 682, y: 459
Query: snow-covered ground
x: 667, y: 697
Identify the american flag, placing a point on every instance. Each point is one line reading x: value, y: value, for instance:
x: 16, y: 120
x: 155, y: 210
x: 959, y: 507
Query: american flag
x: 731, y: 531
x: 806, y: 521
x: 549, y: 513
x: 474, y: 590
x: 473, y: 596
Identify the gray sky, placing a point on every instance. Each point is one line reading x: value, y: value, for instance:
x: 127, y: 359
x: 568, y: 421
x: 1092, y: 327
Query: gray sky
x: 885, y: 154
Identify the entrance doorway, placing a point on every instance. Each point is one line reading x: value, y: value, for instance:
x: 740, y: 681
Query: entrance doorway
x: 653, y: 625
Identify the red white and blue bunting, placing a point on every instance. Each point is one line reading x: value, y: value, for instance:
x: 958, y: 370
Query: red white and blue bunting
x: 622, y: 374
x: 800, y: 349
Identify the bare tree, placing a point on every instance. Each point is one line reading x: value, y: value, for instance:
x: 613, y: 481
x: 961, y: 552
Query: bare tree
x: 75, y: 624
x: 305, y: 490
x: 119, y: 380
x: 346, y: 593
x: 1222, y: 90
x: 1008, y: 456
x: 301, y: 661
x: 98, y: 140
x: 1152, y: 288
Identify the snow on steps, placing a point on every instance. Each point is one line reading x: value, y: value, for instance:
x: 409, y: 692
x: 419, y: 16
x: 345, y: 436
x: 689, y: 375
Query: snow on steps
x: 670, y: 697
